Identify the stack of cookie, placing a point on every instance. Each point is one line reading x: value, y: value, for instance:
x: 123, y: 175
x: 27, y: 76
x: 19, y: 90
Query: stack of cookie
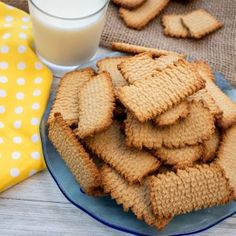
x: 151, y: 129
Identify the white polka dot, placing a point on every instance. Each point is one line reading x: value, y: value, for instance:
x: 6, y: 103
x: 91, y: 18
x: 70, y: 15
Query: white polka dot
x: 21, y: 49
x: 7, y: 25
x: 15, y: 155
x: 9, y: 7
x: 25, y: 19
x: 3, y: 93
x: 35, y: 138
x: 3, y: 65
x: 1, y: 125
x: 17, y: 124
x: 3, y: 79
x: 38, y: 65
x: 4, y: 49
x: 9, y: 18
x: 36, y: 92
x: 34, y: 121
x: 38, y: 80
x: 1, y: 140
x: 20, y: 96
x: 6, y: 36
x: 35, y: 106
x: 17, y: 140
x: 22, y: 36
x: 21, y: 65
x: 32, y: 172
x: 35, y: 155
x: 19, y: 110
x: 14, y: 172
x: 2, y: 109
x: 25, y: 27
x: 20, y: 81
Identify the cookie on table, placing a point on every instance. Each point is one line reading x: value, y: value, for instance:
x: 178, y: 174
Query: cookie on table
x: 96, y: 104
x: 200, y: 23
x: 189, y: 190
x: 140, y: 17
x: 136, y: 49
x: 129, y: 4
x: 132, y: 164
x: 173, y: 26
x: 74, y: 155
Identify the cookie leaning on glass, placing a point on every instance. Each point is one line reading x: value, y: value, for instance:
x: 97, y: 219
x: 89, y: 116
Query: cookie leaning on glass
x: 173, y: 141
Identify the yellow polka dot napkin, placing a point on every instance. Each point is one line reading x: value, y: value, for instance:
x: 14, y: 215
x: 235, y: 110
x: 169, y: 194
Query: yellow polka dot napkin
x: 24, y: 90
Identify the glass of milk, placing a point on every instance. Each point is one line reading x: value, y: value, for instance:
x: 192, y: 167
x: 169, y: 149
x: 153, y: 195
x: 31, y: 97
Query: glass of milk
x: 67, y: 32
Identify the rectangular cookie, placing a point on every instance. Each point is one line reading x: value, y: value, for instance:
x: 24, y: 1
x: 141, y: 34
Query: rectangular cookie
x: 227, y: 156
x: 96, y: 104
x: 166, y: 60
x: 173, y: 115
x: 189, y: 190
x: 66, y: 101
x: 196, y: 128
x: 74, y: 155
x: 173, y: 26
x: 135, y: 197
x: 180, y: 158
x: 129, y: 4
x: 132, y: 164
x: 200, y: 23
x: 165, y: 90
x: 109, y: 65
x: 227, y: 106
x: 136, y: 49
x: 140, y: 17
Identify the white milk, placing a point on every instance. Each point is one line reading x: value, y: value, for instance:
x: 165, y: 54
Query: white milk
x: 70, y: 41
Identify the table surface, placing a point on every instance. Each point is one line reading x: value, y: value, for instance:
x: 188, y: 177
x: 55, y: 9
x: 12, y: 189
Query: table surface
x: 37, y: 207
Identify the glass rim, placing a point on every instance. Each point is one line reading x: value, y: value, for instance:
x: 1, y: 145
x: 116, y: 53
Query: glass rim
x: 66, y: 18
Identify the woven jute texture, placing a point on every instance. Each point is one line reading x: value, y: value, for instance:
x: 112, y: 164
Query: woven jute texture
x: 219, y: 48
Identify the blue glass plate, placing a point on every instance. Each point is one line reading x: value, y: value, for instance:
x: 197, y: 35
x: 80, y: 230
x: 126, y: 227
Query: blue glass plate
x: 105, y: 210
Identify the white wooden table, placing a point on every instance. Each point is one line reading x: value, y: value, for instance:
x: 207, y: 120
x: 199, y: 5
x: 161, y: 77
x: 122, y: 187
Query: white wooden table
x: 37, y: 207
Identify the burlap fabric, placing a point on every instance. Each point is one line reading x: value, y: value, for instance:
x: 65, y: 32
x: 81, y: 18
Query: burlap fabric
x: 219, y: 49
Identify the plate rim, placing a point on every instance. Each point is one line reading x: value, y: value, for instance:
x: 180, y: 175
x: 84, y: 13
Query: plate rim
x: 43, y: 128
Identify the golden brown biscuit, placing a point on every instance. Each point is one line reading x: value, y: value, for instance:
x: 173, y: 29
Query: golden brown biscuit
x: 136, y: 49
x: 135, y: 197
x: 66, y: 101
x: 227, y: 106
x: 180, y: 158
x: 74, y: 155
x: 196, y: 128
x: 227, y: 156
x: 129, y: 4
x: 137, y: 67
x: 173, y: 26
x: 109, y: 65
x: 140, y: 17
x: 173, y: 115
x: 200, y: 23
x: 110, y: 146
x: 161, y: 91
x: 189, y: 190
x: 211, y: 146
x: 96, y: 104
x: 166, y: 60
